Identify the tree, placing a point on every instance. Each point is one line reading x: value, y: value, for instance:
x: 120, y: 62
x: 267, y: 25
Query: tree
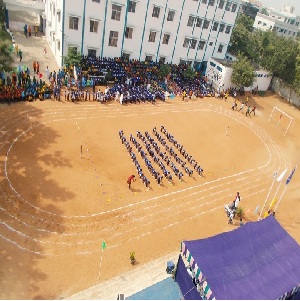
x: 279, y: 57
x: 189, y: 72
x: 164, y: 70
x: 73, y: 58
x: 240, y: 41
x: 296, y: 82
x: 264, y: 11
x: 243, y: 72
x: 6, y: 59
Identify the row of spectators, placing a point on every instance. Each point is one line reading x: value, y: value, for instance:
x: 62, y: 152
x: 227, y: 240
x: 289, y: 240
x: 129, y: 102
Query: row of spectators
x: 132, y: 81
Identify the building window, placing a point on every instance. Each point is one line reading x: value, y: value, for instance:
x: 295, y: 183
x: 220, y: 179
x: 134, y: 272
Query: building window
x: 93, y: 26
x: 198, y: 22
x: 204, y: 1
x: 205, y: 24
x: 182, y: 62
x: 156, y: 11
x: 116, y: 12
x: 228, y: 28
x: 92, y: 52
x: 113, y: 38
x: 131, y: 6
x: 215, y: 26
x: 201, y: 45
x: 220, y: 48
x: 186, y: 42
x: 53, y: 36
x: 190, y: 21
x: 221, y: 4
x: 58, y: 17
x: 221, y: 28
x: 58, y: 45
x: 126, y: 56
x: 128, y: 32
x: 73, y: 23
x: 171, y: 15
x: 162, y: 59
x: 53, y: 10
x: 166, y: 39
x: 193, y: 43
x: 211, y: 2
x: 259, y: 22
x: 234, y: 7
x: 97, y: 1
x: 210, y: 43
x: 228, y: 6
x: 152, y: 36
x: 264, y: 24
x: 148, y: 58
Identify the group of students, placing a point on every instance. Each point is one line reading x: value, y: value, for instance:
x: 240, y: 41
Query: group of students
x: 134, y: 160
x: 160, y: 157
x: 188, y: 158
x: 136, y: 81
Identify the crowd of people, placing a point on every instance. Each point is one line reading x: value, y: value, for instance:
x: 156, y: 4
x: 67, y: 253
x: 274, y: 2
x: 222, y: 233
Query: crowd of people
x: 131, y: 81
x: 156, y: 153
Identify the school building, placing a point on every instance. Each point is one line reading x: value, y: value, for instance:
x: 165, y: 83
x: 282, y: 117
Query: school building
x: 171, y: 31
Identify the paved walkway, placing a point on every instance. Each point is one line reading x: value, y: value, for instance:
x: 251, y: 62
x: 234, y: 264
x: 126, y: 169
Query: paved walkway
x: 129, y: 283
x: 33, y: 49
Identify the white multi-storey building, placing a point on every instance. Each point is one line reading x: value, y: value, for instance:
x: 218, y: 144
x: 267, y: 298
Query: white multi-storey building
x: 160, y: 30
x: 285, y: 23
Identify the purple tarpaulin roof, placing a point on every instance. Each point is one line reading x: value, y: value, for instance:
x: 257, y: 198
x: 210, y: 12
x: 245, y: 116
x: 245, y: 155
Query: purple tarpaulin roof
x: 259, y: 260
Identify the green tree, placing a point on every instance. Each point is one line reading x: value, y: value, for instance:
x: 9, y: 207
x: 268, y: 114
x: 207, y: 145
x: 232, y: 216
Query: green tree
x: 6, y: 59
x: 189, y: 73
x: 264, y: 11
x: 279, y: 57
x: 73, y: 58
x: 164, y: 70
x: 243, y: 72
x: 296, y: 82
x: 240, y: 41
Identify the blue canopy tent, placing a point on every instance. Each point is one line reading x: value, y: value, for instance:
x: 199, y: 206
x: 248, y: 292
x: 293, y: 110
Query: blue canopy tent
x: 259, y: 260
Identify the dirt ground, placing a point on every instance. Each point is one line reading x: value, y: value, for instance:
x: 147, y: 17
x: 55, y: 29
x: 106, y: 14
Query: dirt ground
x: 57, y: 208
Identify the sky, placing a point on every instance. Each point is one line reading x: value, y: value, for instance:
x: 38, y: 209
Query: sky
x: 278, y: 4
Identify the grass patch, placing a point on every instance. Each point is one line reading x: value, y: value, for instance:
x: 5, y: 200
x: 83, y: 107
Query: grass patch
x: 5, y: 37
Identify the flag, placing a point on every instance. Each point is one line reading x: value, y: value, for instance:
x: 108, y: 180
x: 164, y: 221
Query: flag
x: 103, y: 245
x: 279, y: 179
x: 290, y: 176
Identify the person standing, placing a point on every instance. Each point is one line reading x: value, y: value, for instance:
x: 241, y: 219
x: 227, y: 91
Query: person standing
x: 130, y: 180
x: 17, y: 50
x: 37, y: 67
x: 47, y: 73
x: 248, y: 111
x: 20, y: 55
x: 25, y: 30
x: 29, y: 31
x: 183, y: 95
x: 34, y: 67
x: 45, y: 50
x: 35, y: 30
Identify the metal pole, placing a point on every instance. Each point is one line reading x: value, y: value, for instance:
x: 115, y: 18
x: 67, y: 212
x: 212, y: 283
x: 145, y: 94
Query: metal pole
x: 100, y: 264
x: 262, y: 209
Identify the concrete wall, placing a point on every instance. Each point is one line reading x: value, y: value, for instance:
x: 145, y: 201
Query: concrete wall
x: 220, y: 76
x: 285, y: 92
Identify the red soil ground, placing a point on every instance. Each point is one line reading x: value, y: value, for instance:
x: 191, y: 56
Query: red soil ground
x: 57, y: 208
